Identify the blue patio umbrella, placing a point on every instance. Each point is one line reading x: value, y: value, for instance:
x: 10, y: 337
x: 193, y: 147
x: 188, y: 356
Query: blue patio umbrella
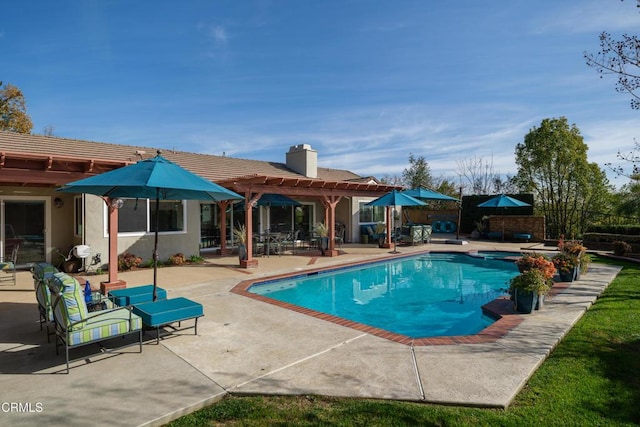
x: 270, y: 199
x: 396, y: 198
x: 155, y: 178
x: 427, y: 194
x: 503, y: 201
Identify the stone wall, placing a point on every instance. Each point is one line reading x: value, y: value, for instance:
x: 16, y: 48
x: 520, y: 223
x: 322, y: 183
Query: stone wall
x: 533, y: 225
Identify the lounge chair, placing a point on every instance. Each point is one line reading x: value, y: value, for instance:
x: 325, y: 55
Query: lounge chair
x: 8, y: 267
x: 522, y: 236
x: 76, y: 327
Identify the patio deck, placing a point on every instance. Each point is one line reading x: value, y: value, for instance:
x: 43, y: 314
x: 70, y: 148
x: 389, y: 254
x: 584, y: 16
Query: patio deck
x: 246, y: 346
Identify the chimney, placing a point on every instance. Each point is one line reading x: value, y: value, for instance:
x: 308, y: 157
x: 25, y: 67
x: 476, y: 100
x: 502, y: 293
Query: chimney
x: 303, y: 160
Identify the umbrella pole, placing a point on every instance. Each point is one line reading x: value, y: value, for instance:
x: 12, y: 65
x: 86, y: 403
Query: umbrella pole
x: 395, y: 233
x: 155, y: 248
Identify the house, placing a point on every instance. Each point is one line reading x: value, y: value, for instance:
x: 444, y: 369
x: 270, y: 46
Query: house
x: 47, y: 223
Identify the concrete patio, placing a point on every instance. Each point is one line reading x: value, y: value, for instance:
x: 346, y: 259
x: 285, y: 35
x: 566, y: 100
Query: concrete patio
x: 246, y: 346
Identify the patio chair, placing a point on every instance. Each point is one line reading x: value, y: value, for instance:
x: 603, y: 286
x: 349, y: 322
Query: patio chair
x: 41, y: 273
x: 8, y: 268
x: 426, y: 233
x: 291, y: 241
x: 340, y: 233
x: 76, y: 327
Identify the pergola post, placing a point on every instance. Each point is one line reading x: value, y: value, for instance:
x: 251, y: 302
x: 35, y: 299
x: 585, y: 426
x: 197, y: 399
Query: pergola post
x: 249, y: 203
x: 113, y: 282
x: 329, y: 203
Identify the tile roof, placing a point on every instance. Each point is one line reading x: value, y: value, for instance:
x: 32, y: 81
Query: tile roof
x: 214, y: 168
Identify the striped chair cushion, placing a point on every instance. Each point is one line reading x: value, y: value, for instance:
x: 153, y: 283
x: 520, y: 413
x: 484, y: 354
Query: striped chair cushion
x: 105, y: 325
x: 41, y: 273
x: 6, y: 265
x: 44, y: 300
x: 73, y: 299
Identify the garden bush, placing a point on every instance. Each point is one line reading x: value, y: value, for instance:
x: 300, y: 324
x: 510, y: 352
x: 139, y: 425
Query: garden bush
x: 621, y: 248
x: 127, y: 261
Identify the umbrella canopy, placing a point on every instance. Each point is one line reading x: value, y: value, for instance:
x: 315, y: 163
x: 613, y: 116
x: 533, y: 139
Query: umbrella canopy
x: 396, y: 198
x: 155, y: 178
x: 426, y: 194
x: 503, y: 201
x: 272, y: 200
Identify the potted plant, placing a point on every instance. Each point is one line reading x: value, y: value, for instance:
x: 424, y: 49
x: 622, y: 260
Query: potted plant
x: 481, y: 228
x: 566, y: 265
x: 577, y: 250
x: 240, y: 236
x: 321, y: 229
x: 526, y: 289
x: 529, y: 261
x: 540, y: 262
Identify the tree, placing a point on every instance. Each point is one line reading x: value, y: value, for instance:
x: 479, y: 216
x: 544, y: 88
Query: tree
x: 481, y: 178
x: 418, y: 174
x: 391, y: 180
x: 620, y: 58
x: 632, y: 157
x: 13, y: 110
x: 629, y: 200
x: 552, y: 163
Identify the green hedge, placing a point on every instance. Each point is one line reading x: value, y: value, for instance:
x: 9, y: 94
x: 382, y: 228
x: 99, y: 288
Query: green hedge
x: 627, y: 230
x: 610, y: 238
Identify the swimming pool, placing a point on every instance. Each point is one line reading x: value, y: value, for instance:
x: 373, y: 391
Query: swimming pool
x: 426, y: 295
x: 496, y: 254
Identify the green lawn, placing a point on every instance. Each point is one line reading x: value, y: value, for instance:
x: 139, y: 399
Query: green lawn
x: 591, y: 378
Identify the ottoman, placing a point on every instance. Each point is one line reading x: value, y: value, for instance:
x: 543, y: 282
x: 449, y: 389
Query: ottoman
x: 137, y: 295
x: 165, y: 312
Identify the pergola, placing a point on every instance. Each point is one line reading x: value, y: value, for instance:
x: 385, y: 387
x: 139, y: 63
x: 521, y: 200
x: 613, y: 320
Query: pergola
x: 44, y: 170
x: 329, y: 193
x: 47, y: 170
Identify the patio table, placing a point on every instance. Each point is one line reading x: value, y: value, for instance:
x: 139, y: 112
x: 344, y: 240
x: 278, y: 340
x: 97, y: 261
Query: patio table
x: 165, y: 312
x: 136, y: 295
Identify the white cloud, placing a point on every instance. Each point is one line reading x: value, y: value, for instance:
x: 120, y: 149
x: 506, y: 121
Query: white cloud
x: 218, y: 34
x: 588, y: 17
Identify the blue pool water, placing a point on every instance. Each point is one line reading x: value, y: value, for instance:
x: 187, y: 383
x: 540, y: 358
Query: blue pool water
x: 429, y: 295
x: 496, y: 254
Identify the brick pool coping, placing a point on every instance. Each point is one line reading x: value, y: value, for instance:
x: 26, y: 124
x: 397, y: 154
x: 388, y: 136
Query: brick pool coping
x: 501, y: 309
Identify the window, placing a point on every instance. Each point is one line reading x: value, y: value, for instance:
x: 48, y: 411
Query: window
x: 371, y: 213
x: 78, y: 217
x: 138, y: 216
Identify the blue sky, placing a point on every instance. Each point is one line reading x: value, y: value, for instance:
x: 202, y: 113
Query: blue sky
x: 364, y: 82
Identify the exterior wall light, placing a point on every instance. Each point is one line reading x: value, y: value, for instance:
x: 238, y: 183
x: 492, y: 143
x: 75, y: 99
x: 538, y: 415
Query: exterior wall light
x: 58, y: 202
x: 117, y: 203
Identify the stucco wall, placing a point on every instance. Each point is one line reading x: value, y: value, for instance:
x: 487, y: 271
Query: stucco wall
x: 187, y: 242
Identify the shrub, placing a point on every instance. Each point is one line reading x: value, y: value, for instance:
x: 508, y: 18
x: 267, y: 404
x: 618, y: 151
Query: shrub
x: 530, y: 281
x: 621, y: 248
x: 127, y: 261
x: 196, y: 259
x: 572, y: 247
x: 529, y: 261
x: 176, y: 259
x: 565, y: 262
